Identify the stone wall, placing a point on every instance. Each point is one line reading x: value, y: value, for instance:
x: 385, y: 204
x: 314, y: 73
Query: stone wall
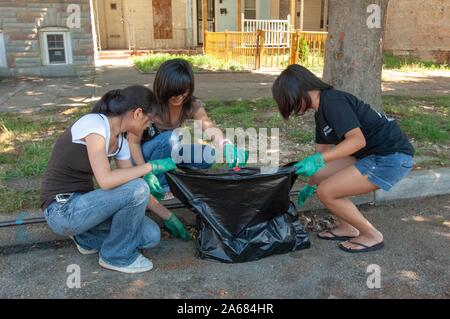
x: 419, y: 28
x: 21, y: 21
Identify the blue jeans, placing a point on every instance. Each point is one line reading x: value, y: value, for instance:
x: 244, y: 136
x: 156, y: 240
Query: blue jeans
x: 110, y: 221
x: 161, y: 146
x: 385, y: 171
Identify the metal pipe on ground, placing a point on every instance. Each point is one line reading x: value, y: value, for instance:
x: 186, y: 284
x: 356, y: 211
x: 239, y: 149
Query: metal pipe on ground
x: 41, y: 220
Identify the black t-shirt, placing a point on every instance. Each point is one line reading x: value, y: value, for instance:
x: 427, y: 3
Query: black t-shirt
x: 340, y: 112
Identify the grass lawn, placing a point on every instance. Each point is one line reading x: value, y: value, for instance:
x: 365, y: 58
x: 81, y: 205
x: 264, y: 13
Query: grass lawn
x: 152, y: 62
x: 409, y: 64
x: 26, y: 140
x: 201, y: 62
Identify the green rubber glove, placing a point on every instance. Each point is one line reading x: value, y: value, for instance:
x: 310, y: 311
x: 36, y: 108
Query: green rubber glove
x: 235, y: 156
x: 176, y: 227
x: 310, y: 165
x: 162, y: 165
x: 305, y: 193
x: 155, y: 187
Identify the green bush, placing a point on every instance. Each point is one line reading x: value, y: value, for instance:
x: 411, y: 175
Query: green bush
x: 303, y: 49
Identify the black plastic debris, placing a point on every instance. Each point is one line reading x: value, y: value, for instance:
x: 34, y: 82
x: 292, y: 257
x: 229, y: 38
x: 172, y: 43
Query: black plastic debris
x: 243, y: 215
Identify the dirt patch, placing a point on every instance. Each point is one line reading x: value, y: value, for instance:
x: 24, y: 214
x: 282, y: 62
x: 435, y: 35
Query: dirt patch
x: 416, y: 84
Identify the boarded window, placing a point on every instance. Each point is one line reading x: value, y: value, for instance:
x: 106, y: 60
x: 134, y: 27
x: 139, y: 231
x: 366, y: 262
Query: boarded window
x: 162, y: 19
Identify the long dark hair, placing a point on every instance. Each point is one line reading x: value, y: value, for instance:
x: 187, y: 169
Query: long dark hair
x: 292, y: 85
x: 174, y: 77
x: 120, y: 101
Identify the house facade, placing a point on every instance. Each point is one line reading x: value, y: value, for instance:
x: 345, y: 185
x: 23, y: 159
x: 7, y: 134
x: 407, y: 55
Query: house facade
x: 308, y: 15
x: 46, y: 38
x: 62, y: 37
x: 164, y: 24
x: 143, y: 24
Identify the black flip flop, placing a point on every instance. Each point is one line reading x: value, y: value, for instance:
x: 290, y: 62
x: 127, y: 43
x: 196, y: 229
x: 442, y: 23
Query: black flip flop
x: 364, y: 250
x: 335, y: 237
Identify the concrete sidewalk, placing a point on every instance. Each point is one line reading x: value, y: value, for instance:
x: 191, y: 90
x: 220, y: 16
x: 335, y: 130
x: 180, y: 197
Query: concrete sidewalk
x: 30, y: 94
x: 414, y: 264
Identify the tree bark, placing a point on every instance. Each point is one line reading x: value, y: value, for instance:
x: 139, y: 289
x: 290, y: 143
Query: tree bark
x: 353, y: 60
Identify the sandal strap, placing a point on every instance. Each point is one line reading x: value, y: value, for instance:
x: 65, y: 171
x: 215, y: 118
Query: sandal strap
x: 359, y: 244
x: 334, y: 235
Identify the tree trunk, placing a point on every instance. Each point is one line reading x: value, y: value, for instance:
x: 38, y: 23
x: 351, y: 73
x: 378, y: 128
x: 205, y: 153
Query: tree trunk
x: 353, y: 60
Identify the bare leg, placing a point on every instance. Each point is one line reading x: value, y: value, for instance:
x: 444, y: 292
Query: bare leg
x: 331, y: 169
x: 158, y: 208
x: 343, y: 229
x: 333, y: 193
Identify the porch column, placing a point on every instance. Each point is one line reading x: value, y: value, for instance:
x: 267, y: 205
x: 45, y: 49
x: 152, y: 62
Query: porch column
x: 293, y: 13
x: 302, y: 16
x: 239, y: 15
x: 204, y: 21
x: 325, y: 15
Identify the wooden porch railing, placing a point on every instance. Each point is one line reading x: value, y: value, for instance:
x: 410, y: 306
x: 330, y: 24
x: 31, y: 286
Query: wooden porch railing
x: 253, y: 51
x: 273, y: 38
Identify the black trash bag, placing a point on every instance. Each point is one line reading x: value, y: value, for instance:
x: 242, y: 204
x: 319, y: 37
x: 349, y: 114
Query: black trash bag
x: 242, y: 215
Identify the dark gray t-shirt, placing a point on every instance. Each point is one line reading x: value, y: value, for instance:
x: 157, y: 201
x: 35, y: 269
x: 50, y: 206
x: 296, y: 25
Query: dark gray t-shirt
x: 69, y: 169
x: 339, y: 112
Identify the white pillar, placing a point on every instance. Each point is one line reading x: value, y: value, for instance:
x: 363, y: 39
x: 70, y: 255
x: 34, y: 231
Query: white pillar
x: 325, y: 15
x: 302, y: 9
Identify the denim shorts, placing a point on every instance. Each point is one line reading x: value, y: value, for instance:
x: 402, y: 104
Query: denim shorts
x: 385, y: 170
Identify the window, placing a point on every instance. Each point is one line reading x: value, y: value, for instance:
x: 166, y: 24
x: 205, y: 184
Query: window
x: 3, y: 62
x: 250, y: 9
x: 55, y: 46
x: 56, y: 50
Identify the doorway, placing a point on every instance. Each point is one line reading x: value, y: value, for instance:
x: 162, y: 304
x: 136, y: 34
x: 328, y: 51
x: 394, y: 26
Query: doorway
x: 115, y: 24
x: 211, y: 19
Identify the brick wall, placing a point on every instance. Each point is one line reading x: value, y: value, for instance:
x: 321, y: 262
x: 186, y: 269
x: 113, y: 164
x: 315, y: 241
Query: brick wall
x: 21, y: 20
x: 419, y: 28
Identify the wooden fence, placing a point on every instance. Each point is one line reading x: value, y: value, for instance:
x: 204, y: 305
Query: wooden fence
x: 252, y: 51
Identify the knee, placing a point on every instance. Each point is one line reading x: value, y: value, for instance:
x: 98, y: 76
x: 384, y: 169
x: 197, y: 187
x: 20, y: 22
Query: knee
x: 151, y: 233
x: 317, y: 178
x: 158, y: 147
x: 324, y: 193
x: 166, y: 140
x: 139, y: 191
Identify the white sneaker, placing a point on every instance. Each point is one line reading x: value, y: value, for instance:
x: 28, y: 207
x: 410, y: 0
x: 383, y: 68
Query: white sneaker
x: 168, y: 196
x: 141, y: 264
x: 82, y: 250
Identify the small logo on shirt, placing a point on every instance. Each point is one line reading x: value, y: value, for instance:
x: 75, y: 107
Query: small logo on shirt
x: 327, y: 130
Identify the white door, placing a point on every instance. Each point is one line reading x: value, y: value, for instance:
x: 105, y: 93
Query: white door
x: 3, y: 62
x: 115, y: 24
x: 140, y: 23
